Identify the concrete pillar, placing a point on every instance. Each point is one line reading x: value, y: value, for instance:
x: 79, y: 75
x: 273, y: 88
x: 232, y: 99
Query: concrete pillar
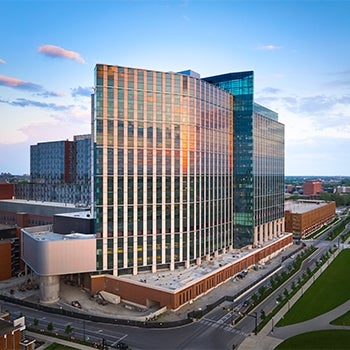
x: 266, y: 232
x: 255, y: 241
x: 49, y: 289
x: 261, y: 234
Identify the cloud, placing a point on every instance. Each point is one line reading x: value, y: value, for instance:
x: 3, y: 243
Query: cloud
x: 311, y: 119
x: 51, y: 94
x: 58, y: 52
x: 27, y: 86
x: 342, y: 80
x: 268, y: 47
x: 19, y: 84
x: 2, y: 61
x: 52, y: 130
x: 270, y: 90
x: 82, y: 91
x: 22, y: 102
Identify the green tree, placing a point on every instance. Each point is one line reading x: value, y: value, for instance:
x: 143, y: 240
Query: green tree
x: 262, y: 290
x: 255, y: 298
x: 35, y: 322
x: 69, y: 329
x: 50, y: 327
x: 293, y: 286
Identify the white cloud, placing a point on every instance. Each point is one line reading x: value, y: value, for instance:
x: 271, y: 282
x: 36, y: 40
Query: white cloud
x: 269, y: 47
x: 58, y: 52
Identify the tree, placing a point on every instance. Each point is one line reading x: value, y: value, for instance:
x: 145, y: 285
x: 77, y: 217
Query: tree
x: 255, y: 298
x: 262, y: 290
x: 285, y: 292
x: 69, y: 329
x: 50, y: 327
x: 262, y: 314
x: 293, y: 286
x: 35, y: 322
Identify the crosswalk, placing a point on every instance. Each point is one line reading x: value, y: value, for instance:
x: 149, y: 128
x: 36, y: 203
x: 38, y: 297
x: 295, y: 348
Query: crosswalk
x: 223, y: 323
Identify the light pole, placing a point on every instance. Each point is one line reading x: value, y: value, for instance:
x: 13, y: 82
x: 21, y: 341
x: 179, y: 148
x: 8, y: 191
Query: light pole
x: 272, y: 321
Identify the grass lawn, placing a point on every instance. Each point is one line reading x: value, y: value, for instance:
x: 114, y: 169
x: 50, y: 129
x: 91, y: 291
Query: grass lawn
x: 330, y: 290
x: 56, y: 346
x: 343, y: 320
x: 330, y: 339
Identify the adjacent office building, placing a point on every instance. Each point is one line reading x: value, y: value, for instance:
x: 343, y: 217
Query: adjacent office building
x: 59, y: 162
x: 185, y: 168
x: 60, y: 172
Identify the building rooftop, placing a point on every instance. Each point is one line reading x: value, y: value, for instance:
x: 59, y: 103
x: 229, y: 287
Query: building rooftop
x: 182, y: 277
x: 41, y: 208
x: 44, y: 233
x: 303, y: 206
x: 77, y: 214
x: 42, y: 203
x: 5, y: 327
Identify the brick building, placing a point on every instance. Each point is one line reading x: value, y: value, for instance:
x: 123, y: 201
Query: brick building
x: 12, y: 334
x: 312, y: 187
x: 303, y: 217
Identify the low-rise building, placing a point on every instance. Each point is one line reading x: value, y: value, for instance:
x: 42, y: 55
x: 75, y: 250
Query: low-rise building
x: 12, y: 334
x: 312, y: 187
x: 303, y: 217
x: 52, y: 255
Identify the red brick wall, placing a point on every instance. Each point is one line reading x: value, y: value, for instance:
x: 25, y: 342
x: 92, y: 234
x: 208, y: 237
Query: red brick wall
x: 7, y: 191
x: 143, y: 294
x: 5, y: 261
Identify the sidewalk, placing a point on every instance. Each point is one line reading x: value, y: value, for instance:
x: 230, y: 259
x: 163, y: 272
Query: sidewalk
x: 49, y: 340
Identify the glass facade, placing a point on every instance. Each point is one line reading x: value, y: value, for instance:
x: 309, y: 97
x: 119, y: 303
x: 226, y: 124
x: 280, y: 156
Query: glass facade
x: 268, y: 166
x: 48, y: 162
x: 60, y: 172
x: 258, y: 163
x: 163, y: 169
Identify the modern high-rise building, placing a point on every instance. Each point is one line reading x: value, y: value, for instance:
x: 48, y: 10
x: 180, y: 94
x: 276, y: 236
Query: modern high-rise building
x: 163, y: 169
x: 258, y: 163
x: 188, y: 176
x: 185, y: 168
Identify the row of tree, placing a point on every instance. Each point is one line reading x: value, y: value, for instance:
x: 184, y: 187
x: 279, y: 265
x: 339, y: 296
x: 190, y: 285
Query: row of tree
x: 340, y: 199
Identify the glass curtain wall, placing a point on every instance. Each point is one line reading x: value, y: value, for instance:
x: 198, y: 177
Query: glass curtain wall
x: 241, y: 85
x: 163, y: 171
x: 268, y: 165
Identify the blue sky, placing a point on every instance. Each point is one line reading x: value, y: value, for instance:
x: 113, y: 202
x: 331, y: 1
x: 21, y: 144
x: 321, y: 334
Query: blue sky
x: 299, y: 51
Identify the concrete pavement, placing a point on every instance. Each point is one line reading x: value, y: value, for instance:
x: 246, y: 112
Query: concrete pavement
x: 49, y: 340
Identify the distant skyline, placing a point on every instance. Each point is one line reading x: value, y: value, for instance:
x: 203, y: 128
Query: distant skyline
x: 299, y: 52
